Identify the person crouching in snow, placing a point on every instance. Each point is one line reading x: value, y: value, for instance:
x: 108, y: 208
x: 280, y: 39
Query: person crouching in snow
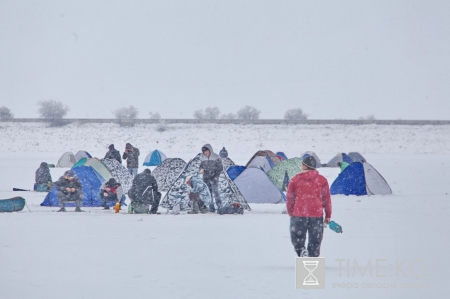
x: 111, y: 191
x: 198, y: 194
x: 307, y: 197
x: 43, y: 178
x: 144, y: 192
x: 69, y: 190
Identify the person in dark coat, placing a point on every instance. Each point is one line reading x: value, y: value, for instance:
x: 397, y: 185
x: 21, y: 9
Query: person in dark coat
x: 308, y: 196
x: 131, y: 154
x: 111, y: 191
x: 211, y: 168
x: 144, y: 192
x: 43, y: 178
x: 113, y: 154
x: 69, y: 189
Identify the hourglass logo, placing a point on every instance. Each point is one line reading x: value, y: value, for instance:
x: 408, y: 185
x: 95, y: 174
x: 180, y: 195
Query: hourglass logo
x: 310, y: 273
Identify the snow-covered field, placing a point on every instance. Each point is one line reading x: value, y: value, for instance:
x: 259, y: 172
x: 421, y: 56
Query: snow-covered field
x: 99, y: 254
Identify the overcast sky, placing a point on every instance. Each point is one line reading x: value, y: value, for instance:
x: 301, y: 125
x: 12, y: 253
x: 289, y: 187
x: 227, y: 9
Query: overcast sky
x: 333, y: 59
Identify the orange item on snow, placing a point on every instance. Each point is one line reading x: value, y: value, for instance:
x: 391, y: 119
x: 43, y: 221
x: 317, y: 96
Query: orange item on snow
x: 117, y: 207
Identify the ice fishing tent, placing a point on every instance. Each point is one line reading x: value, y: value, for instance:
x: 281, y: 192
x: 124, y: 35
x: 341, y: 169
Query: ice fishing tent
x: 90, y: 182
x: 177, y: 194
x: 282, y: 156
x: 168, y: 172
x: 256, y: 187
x: 356, y: 157
x: 67, y: 160
x: 261, y: 162
x: 120, y: 173
x: 154, y: 158
x: 283, y: 172
x: 312, y: 154
x: 271, y: 157
x: 341, y: 157
x: 227, y: 162
x: 235, y: 170
x: 360, y: 179
x: 82, y: 154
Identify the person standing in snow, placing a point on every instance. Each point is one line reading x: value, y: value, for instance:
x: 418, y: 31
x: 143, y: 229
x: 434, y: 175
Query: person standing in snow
x: 307, y: 197
x: 131, y: 154
x: 144, y: 192
x: 69, y: 189
x: 113, y: 154
x: 110, y: 191
x: 198, y: 194
x: 211, y: 167
x: 43, y: 178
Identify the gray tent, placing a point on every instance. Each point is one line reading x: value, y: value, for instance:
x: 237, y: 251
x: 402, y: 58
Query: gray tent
x: 357, y: 157
x: 256, y: 187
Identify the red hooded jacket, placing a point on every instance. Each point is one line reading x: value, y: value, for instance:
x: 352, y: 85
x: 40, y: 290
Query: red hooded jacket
x: 308, y: 195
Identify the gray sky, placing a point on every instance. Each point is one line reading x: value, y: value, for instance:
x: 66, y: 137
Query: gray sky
x: 333, y: 59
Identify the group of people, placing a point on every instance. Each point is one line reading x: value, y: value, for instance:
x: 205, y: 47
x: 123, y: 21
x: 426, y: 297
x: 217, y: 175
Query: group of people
x: 131, y: 154
x: 307, y: 197
x: 144, y: 194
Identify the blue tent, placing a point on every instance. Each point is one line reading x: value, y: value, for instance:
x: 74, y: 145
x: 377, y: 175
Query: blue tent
x: 234, y: 170
x: 360, y: 179
x: 90, y: 182
x: 155, y: 158
x: 282, y: 156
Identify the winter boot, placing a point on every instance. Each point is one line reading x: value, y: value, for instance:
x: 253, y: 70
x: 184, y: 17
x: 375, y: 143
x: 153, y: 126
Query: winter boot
x: 77, y: 209
x: 194, y: 208
x: 61, y: 210
x: 304, y: 253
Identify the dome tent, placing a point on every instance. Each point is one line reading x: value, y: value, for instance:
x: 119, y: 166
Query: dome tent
x: 341, y: 157
x: 360, y: 179
x: 82, y: 154
x: 284, y: 171
x: 256, y: 187
x: 356, y: 157
x: 67, y: 160
x: 120, y: 173
x: 167, y: 172
x: 154, y: 158
x: 177, y: 194
x: 271, y: 157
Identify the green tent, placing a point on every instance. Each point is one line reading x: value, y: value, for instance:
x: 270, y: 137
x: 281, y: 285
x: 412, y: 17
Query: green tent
x: 283, y: 172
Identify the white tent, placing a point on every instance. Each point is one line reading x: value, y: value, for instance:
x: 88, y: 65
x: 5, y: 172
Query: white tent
x: 82, y: 154
x: 67, y: 160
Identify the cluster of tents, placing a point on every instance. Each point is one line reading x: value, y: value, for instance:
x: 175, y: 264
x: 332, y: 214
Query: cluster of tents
x: 262, y: 180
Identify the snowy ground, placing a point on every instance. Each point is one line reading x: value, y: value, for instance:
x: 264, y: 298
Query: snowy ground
x: 102, y: 255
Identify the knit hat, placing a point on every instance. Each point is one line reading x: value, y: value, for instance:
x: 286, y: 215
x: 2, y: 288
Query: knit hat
x: 128, y: 145
x: 223, y: 153
x: 309, y: 162
x: 71, y: 174
x: 111, y: 146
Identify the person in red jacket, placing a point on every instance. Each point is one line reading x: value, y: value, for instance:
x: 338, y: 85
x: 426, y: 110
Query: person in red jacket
x: 307, y: 197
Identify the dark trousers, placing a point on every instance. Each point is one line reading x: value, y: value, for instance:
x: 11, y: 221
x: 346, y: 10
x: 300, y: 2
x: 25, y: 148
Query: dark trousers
x: 313, y: 226
x: 77, y: 197
x: 213, y: 186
